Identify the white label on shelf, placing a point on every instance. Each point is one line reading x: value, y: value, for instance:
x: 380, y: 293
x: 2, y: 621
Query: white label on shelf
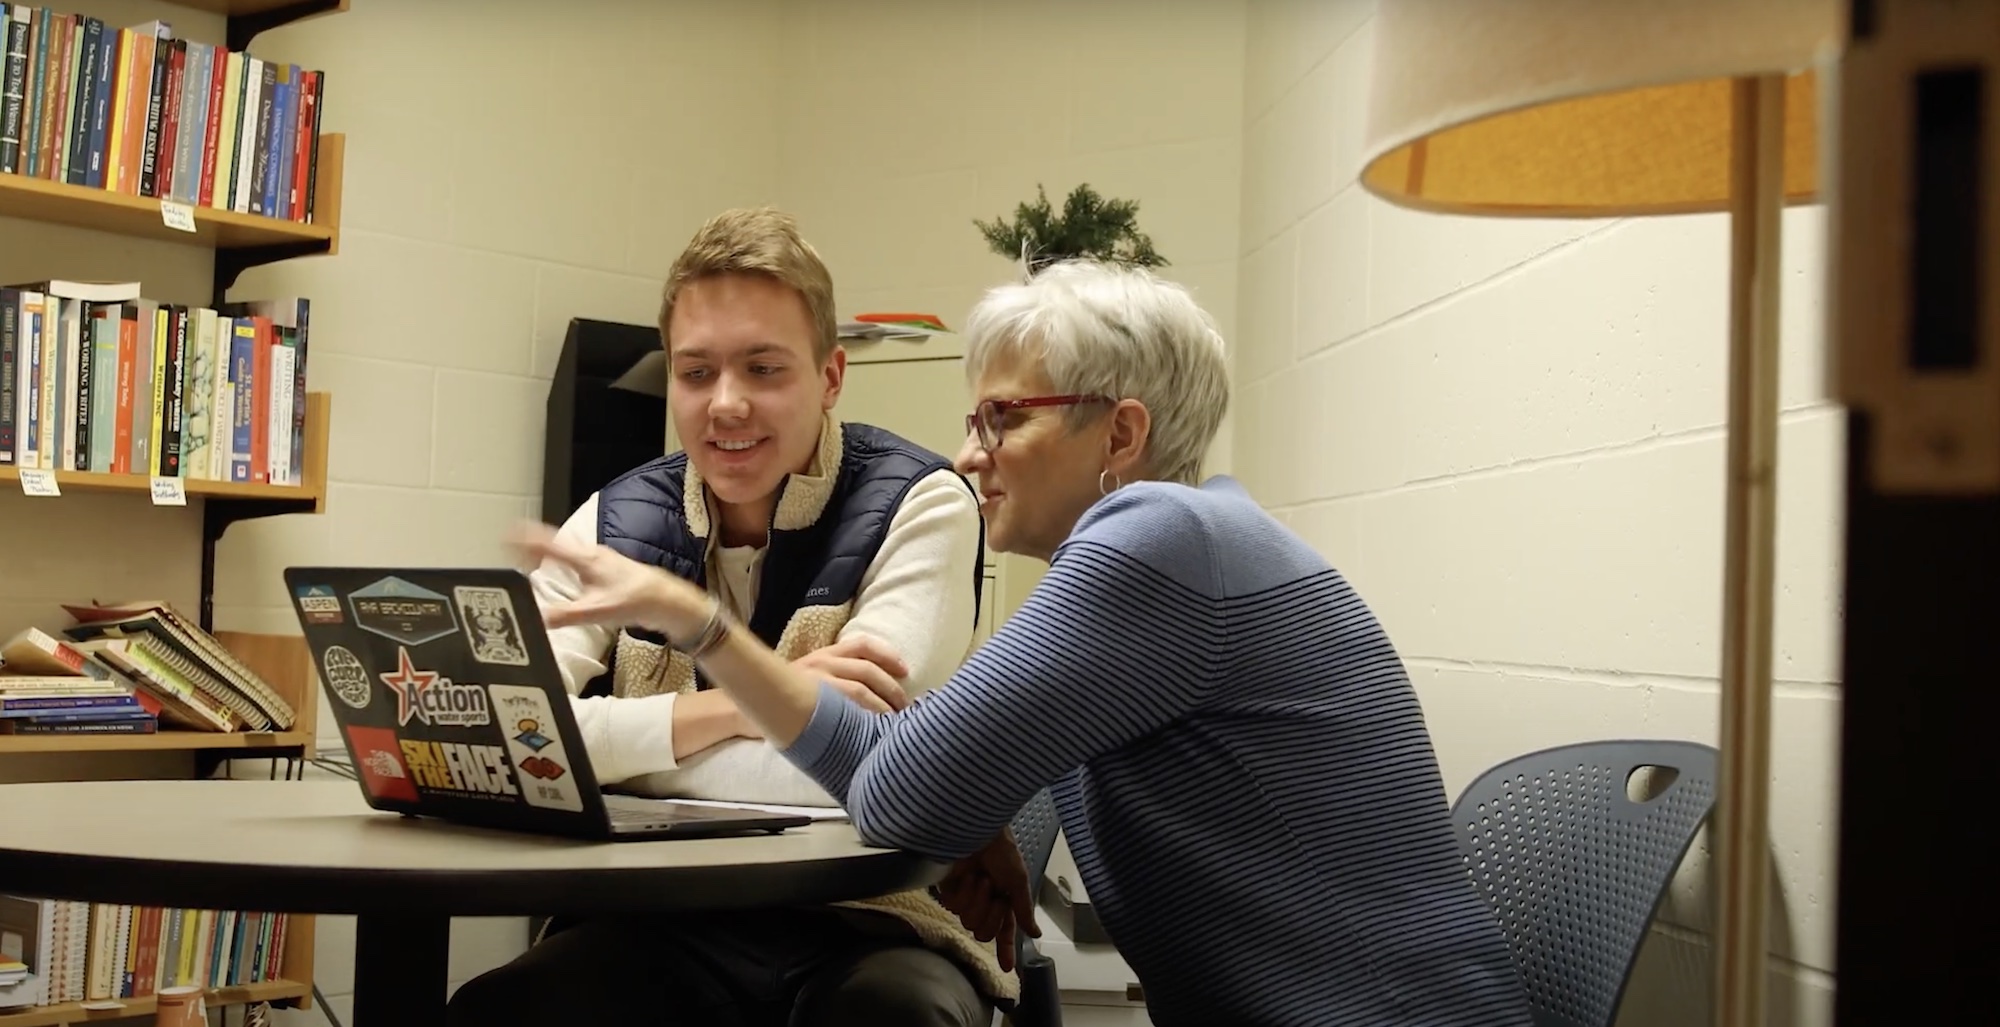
x: 169, y: 492
x: 39, y: 482
x: 177, y: 215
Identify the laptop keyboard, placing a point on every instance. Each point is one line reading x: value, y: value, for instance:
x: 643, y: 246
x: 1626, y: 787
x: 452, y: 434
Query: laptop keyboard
x: 629, y: 815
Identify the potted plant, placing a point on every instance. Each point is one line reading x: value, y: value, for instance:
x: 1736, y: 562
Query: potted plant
x: 1088, y: 226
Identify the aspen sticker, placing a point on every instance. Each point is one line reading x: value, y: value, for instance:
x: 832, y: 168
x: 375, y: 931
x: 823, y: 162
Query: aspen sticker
x: 346, y: 676
x: 491, y: 628
x: 525, y: 720
x: 318, y: 604
x: 433, y: 698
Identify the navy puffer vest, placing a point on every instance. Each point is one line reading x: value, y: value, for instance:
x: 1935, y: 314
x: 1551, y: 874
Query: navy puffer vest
x: 642, y: 516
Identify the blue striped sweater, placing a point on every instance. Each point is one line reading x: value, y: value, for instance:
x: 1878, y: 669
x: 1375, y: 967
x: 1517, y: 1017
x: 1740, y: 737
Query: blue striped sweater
x: 1240, y: 762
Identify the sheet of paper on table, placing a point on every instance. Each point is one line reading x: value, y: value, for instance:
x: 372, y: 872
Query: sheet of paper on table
x: 815, y: 812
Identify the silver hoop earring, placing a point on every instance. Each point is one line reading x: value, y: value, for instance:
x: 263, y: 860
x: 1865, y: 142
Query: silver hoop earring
x: 1101, y: 490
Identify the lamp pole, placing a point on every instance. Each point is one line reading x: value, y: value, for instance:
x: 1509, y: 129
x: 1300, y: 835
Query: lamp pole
x: 1757, y: 137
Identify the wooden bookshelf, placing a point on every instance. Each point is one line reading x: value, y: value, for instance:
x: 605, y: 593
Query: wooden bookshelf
x: 310, y: 496
x: 83, y: 481
x: 78, y: 206
x: 298, y: 954
x: 283, y: 661
x: 238, y: 8
x: 237, y: 241
x: 163, y: 740
x: 262, y: 991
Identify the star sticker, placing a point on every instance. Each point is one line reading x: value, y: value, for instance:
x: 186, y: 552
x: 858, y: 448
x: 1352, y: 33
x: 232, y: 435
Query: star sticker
x: 408, y: 682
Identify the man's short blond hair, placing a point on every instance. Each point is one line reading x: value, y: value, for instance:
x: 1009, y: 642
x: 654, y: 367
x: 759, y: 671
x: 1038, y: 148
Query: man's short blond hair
x: 756, y: 241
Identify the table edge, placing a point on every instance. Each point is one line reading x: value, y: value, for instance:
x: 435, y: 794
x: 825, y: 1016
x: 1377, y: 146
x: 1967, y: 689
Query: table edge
x: 335, y: 890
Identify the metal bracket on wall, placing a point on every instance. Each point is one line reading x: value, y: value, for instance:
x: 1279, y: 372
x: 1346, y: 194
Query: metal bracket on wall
x: 231, y: 263
x: 207, y: 761
x: 245, y: 27
x: 216, y: 517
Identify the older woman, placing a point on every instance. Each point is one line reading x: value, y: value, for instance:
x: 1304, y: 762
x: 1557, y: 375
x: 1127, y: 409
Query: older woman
x: 1241, y: 765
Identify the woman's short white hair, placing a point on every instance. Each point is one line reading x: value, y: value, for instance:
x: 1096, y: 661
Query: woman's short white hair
x: 1103, y: 329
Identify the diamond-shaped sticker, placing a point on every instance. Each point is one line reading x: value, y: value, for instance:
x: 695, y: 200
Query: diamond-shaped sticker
x: 532, y: 738
x: 399, y: 610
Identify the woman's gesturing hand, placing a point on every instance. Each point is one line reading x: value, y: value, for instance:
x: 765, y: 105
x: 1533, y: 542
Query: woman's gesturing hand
x: 612, y: 589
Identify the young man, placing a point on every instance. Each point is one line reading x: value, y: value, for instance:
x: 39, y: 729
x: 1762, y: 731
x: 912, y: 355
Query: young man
x: 849, y: 550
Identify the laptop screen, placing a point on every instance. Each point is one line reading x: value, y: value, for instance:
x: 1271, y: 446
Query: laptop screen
x: 447, y: 693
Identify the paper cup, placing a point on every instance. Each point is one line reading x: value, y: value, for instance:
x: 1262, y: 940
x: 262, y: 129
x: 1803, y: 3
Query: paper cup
x: 181, y: 1006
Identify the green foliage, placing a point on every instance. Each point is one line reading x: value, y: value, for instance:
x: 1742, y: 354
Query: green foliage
x: 1088, y: 226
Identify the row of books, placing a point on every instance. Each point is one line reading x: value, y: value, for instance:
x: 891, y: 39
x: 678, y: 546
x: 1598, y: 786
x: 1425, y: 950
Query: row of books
x: 90, y: 951
x: 141, y: 112
x: 131, y: 668
x: 49, y: 687
x: 95, y: 377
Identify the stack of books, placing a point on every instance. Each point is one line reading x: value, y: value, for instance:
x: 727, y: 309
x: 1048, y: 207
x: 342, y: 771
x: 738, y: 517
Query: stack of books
x: 197, y: 682
x: 96, y: 377
x: 141, y: 112
x: 132, y: 668
x: 95, y: 951
x: 49, y: 687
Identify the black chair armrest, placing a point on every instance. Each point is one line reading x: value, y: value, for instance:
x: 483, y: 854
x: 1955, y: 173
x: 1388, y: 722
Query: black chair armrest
x: 1041, y: 998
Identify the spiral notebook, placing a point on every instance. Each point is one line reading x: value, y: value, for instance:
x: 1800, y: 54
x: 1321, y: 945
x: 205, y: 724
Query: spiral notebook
x: 181, y: 700
x: 216, y: 667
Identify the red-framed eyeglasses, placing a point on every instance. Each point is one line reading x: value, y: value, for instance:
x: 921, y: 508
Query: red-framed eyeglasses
x: 989, y: 418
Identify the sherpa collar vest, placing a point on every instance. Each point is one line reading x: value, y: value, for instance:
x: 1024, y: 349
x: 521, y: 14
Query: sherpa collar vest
x: 827, y: 527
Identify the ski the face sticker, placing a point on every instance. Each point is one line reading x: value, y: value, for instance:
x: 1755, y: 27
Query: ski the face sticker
x: 433, y: 698
x: 465, y: 770
x: 491, y: 628
x: 402, y: 612
x: 537, y: 754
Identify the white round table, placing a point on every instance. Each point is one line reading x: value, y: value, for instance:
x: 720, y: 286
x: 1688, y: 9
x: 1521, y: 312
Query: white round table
x: 316, y: 847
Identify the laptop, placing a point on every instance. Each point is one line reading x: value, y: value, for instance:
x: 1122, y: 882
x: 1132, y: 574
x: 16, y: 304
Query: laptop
x: 448, y: 699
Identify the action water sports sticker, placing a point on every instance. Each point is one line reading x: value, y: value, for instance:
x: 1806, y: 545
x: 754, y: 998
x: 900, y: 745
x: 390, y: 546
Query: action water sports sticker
x: 377, y: 758
x: 491, y: 628
x: 401, y: 611
x: 433, y: 698
x: 345, y: 675
x: 529, y: 725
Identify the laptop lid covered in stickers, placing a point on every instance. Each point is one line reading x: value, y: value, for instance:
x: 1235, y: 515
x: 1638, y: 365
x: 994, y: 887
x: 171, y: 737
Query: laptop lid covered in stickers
x: 448, y: 696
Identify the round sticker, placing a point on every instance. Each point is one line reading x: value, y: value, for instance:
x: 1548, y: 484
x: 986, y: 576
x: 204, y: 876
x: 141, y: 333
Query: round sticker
x: 348, y: 678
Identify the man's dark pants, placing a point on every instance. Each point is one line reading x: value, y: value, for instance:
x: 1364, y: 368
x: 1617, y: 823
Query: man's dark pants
x: 818, y: 967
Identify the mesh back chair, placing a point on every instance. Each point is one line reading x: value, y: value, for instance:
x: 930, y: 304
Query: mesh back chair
x: 1574, y: 869
x: 1035, y: 835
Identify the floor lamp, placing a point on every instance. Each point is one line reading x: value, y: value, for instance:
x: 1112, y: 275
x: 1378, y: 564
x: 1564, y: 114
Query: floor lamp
x: 1603, y: 108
